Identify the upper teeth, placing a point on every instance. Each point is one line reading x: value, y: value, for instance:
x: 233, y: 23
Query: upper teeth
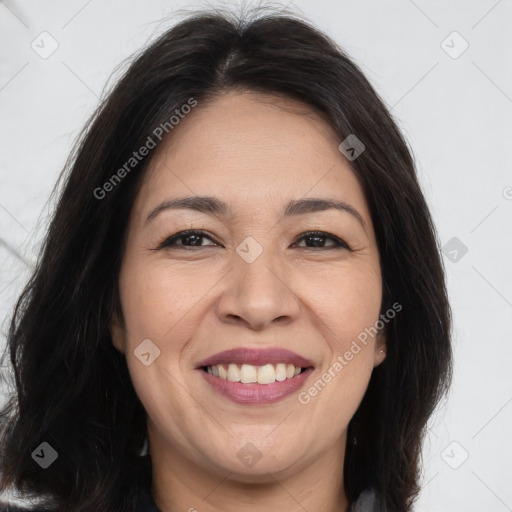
x: 248, y: 373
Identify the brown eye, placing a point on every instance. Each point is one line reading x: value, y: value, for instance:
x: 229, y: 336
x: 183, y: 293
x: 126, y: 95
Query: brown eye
x: 189, y: 238
x: 317, y: 239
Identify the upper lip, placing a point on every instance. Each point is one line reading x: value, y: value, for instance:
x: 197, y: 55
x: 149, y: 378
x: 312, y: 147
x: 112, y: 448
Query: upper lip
x: 256, y: 357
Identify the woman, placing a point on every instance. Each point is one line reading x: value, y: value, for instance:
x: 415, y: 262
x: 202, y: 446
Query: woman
x: 240, y: 302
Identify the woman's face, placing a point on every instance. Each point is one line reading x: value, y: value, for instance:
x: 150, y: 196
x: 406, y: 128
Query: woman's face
x: 251, y: 283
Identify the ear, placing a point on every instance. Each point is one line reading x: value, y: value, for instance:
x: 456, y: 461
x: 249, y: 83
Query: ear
x: 380, y: 348
x: 117, y: 333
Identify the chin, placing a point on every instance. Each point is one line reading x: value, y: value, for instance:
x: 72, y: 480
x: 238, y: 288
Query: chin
x: 250, y: 465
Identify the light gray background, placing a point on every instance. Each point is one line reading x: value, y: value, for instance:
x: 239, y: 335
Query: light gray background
x: 455, y: 113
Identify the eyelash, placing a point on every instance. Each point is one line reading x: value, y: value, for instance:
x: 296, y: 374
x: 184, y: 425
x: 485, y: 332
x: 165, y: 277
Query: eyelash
x: 169, y: 242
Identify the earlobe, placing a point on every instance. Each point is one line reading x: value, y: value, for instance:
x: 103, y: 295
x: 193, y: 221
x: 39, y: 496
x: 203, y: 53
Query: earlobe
x: 380, y: 352
x: 117, y: 334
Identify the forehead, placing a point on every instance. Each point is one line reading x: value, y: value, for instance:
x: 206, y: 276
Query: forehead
x: 251, y: 148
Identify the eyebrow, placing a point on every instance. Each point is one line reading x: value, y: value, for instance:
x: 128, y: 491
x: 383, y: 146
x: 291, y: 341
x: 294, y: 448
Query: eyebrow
x: 213, y: 206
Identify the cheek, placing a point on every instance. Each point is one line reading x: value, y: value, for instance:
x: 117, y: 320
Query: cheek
x: 157, y: 307
x: 347, y: 300
x: 156, y: 300
x: 347, y: 304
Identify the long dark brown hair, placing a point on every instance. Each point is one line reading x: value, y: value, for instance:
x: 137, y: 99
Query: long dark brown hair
x: 73, y: 389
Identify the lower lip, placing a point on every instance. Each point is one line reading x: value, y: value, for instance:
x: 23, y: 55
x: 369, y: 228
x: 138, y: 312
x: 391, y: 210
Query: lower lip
x: 255, y: 393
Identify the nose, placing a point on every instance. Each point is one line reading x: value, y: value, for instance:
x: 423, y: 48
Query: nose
x: 258, y: 294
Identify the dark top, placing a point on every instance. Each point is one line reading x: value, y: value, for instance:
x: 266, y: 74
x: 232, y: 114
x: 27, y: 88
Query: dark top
x: 367, y: 501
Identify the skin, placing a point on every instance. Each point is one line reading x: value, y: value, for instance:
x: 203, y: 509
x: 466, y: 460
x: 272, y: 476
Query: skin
x: 255, y: 152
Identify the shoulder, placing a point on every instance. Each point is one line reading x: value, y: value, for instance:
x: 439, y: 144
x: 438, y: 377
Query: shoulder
x: 143, y: 498
x: 8, y: 507
x: 368, y: 501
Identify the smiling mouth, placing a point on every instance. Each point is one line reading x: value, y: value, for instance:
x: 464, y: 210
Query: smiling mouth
x: 251, y: 374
